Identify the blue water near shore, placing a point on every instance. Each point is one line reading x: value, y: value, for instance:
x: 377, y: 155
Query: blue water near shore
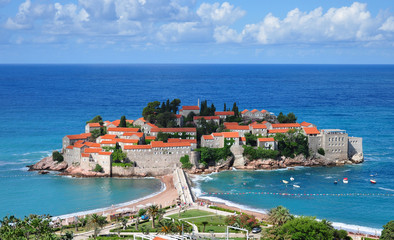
x: 39, y: 104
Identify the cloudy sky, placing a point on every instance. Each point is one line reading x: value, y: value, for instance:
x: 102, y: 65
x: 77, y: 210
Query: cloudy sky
x: 192, y: 31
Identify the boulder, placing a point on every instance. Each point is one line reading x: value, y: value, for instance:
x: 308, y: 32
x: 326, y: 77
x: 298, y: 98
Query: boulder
x: 47, y: 163
x: 357, y: 158
x: 79, y: 172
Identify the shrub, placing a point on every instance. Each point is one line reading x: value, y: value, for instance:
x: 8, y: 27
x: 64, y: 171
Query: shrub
x: 260, y: 153
x: 186, y: 162
x: 125, y: 165
x: 388, y: 231
x: 321, y: 151
x: 57, y: 156
x: 98, y: 168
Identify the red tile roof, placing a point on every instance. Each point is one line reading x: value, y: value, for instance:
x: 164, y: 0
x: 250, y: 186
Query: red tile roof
x: 230, y: 134
x: 108, y: 136
x: 178, y: 115
x: 109, y: 142
x: 217, y: 134
x: 78, y: 145
x: 142, y: 119
x: 150, y: 138
x: 305, y: 124
x: 206, y: 117
x: 237, y: 127
x: 157, y: 144
x: 207, y: 137
x: 152, y: 125
x: 266, y: 139
x: 230, y: 123
x: 70, y: 147
x: 190, y: 108
x: 172, y: 140
x: 226, y: 113
x: 79, y: 136
x: 258, y: 126
x: 85, y: 154
x: 311, y: 130
x: 159, y: 238
x: 94, y: 124
x: 93, y: 150
x: 127, y: 140
x: 243, y: 139
x: 129, y: 147
x: 244, y: 111
x: 285, y: 130
x: 92, y: 145
x: 105, y: 153
x: 138, y: 134
x: 173, y: 130
x: 123, y: 129
x: 285, y: 125
x: 263, y: 111
x: 254, y: 110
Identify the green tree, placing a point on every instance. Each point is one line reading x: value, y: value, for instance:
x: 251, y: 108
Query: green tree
x: 123, y: 123
x: 224, y: 107
x: 150, y: 110
x: 96, y: 119
x: 153, y: 210
x: 96, y: 222
x: 290, y: 118
x: 166, y: 226
x: 204, y: 223
x: 301, y: 228
x: 279, y: 215
x: 186, y: 162
x: 235, y: 110
x: 174, y: 105
x: 118, y: 156
x: 292, y: 143
x: 251, y: 139
x: 388, y: 231
x: 321, y: 151
x: 56, y: 156
x: 98, y: 168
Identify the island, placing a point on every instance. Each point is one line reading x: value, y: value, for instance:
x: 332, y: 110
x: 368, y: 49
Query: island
x: 199, y: 139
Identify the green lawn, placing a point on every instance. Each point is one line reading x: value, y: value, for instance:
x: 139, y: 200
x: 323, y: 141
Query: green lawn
x: 215, y: 223
x: 191, y: 213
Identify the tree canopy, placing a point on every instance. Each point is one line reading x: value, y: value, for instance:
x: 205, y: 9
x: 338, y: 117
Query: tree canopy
x: 388, y: 231
x: 205, y: 110
x: 292, y: 143
x: 290, y: 118
x: 122, y: 122
x: 96, y: 119
x: 161, y: 114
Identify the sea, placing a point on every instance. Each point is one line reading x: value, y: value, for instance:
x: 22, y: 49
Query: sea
x: 40, y: 104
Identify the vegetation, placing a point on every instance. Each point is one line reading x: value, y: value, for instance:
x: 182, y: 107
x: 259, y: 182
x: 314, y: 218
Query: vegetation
x: 186, y: 162
x: 96, y: 119
x: 388, y: 231
x: 96, y: 222
x: 122, y: 122
x: 118, y: 156
x: 164, y: 115
x: 321, y: 151
x: 98, y: 168
x: 206, y: 127
x: 207, y: 111
x: 153, y: 211
x: 124, y: 165
x: 292, y: 143
x: 242, y: 221
x: 191, y: 214
x: 224, y: 209
x: 56, y: 156
x: 213, y: 154
x: 98, y: 132
x: 279, y: 215
x: 290, y: 118
x: 165, y: 136
x: 251, y: 139
x: 259, y: 153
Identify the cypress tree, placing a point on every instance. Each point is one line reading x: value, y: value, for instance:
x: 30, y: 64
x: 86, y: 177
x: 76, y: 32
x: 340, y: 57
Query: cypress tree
x: 122, y: 121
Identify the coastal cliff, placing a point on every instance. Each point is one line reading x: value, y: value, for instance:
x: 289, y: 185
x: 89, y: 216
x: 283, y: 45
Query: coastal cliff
x: 48, y: 164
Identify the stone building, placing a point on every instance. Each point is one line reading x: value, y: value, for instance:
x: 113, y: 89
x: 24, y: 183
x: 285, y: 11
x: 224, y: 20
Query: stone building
x: 355, y: 146
x: 219, y: 140
x: 146, y: 127
x: 258, y: 129
x: 241, y: 129
x: 139, y: 122
x: 186, y: 110
x: 188, y: 133
x: 286, y: 126
x: 255, y: 114
x: 71, y: 139
x: 224, y: 114
x: 267, y: 143
x: 121, y: 131
x: 91, y: 127
x: 214, y: 119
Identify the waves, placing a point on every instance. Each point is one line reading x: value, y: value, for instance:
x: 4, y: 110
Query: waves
x: 386, y: 189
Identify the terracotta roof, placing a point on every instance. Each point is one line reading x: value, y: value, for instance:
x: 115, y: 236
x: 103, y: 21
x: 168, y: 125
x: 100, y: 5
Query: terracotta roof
x: 172, y: 140
x: 123, y: 129
x: 109, y: 142
x: 226, y: 113
x: 137, y: 147
x: 178, y: 115
x: 79, y: 136
x: 190, y: 108
x: 230, y: 134
x: 141, y: 119
x: 237, y: 127
x: 206, y: 117
x: 173, y: 130
x: 207, y: 137
x: 138, y: 134
x: 127, y: 140
x: 244, y: 111
x: 157, y: 144
x: 217, y: 134
x: 230, y: 123
x: 266, y: 139
x: 70, y: 147
x: 243, y: 139
x: 258, y: 126
x: 108, y: 136
x: 79, y: 142
x: 107, y: 122
x: 92, y: 145
x: 263, y: 111
x: 285, y: 130
x: 78, y: 145
x: 305, y: 124
x: 254, y: 110
x: 85, y: 154
x: 93, y: 150
x: 105, y: 153
x: 159, y: 238
x: 285, y: 125
x: 152, y: 125
x: 94, y: 124
x: 311, y: 130
x: 150, y: 138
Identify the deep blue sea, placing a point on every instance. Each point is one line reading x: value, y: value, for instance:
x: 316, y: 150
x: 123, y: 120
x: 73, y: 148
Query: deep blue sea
x: 39, y: 104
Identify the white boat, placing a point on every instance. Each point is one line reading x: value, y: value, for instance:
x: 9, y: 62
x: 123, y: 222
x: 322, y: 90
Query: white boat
x: 373, y: 181
x: 291, y: 179
x: 296, y: 186
x: 285, y: 182
x: 345, y: 180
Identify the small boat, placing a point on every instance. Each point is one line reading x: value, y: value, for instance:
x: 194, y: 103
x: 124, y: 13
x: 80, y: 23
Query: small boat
x: 291, y: 179
x: 296, y: 186
x: 345, y: 180
x: 335, y: 182
x: 373, y: 181
x: 285, y: 182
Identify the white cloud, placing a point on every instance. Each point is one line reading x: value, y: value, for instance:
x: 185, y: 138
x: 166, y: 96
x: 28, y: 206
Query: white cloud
x: 388, y: 25
x: 182, y: 32
x: 217, y: 14
x: 225, y: 34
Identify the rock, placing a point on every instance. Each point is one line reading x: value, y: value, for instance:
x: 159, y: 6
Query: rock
x: 47, y: 163
x: 357, y: 158
x: 79, y: 172
x: 43, y: 172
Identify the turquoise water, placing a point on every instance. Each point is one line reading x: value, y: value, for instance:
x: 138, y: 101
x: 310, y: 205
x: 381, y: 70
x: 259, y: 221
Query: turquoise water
x: 39, y: 104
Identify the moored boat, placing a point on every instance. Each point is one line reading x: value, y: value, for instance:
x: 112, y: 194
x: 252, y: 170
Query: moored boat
x: 285, y: 182
x: 335, y: 182
x: 291, y: 179
x: 345, y: 180
x: 373, y: 181
x: 296, y: 186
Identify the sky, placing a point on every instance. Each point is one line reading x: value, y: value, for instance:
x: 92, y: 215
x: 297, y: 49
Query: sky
x: 194, y: 31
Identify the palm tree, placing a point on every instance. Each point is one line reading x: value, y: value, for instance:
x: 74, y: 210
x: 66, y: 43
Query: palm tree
x: 166, y: 226
x: 95, y: 221
x: 279, y: 215
x: 204, y: 223
x: 153, y: 210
